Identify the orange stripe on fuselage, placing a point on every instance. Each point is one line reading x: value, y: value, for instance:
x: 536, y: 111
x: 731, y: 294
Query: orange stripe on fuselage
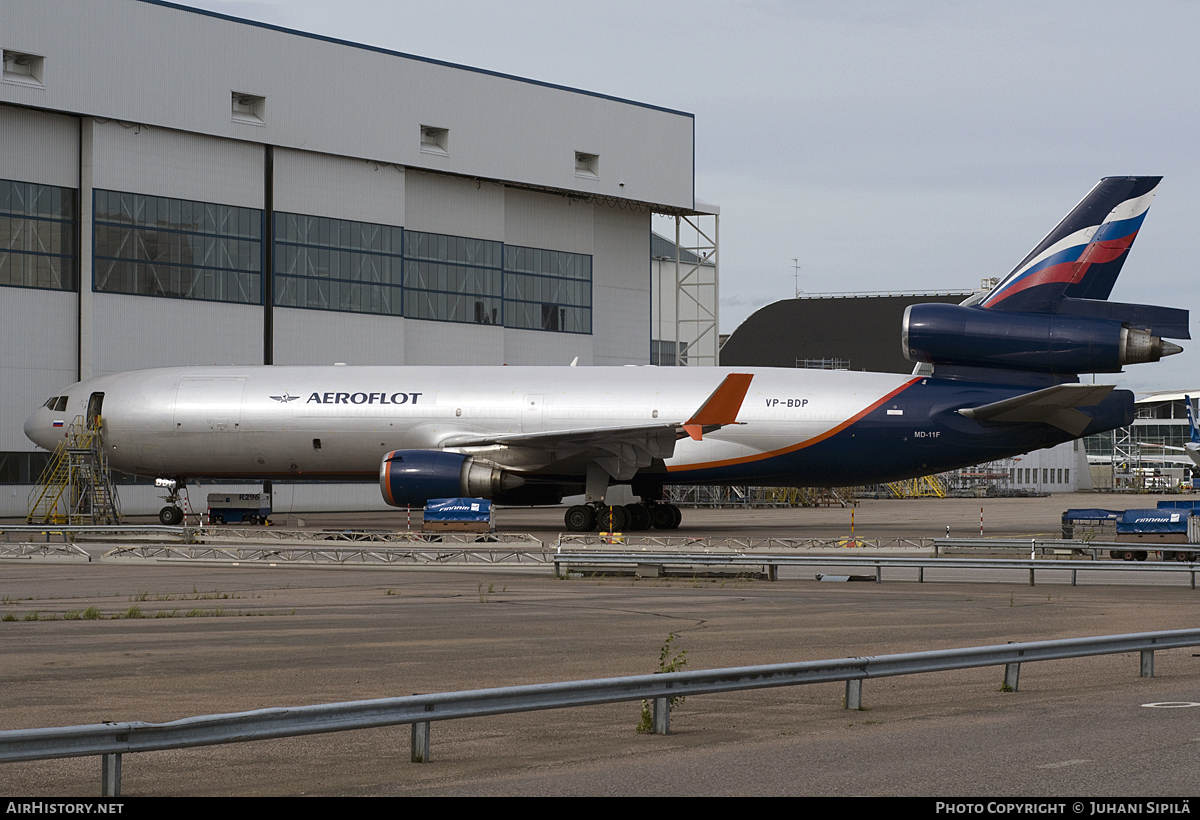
x: 808, y: 443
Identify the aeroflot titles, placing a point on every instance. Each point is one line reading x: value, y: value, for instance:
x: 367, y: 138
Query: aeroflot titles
x: 363, y: 398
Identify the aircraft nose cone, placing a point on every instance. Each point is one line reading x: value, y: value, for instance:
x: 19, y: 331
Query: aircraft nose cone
x: 38, y: 429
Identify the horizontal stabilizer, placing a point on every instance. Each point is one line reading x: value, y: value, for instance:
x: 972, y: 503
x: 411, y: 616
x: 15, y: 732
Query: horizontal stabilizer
x: 1054, y: 406
x: 1165, y: 322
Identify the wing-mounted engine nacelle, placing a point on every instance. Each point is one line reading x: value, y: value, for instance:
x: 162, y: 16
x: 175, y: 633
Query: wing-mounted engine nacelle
x: 412, y: 477
x: 1041, y: 342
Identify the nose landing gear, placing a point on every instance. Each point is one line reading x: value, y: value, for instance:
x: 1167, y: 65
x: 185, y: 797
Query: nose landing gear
x: 170, y: 515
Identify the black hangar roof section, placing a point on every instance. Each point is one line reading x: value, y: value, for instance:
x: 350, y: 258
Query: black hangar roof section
x: 860, y: 331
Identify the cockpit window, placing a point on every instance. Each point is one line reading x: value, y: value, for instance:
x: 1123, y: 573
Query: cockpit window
x: 53, y: 400
x: 61, y: 405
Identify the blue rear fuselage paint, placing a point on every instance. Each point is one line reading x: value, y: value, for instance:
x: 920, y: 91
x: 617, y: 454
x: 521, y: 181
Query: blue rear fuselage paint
x: 929, y: 437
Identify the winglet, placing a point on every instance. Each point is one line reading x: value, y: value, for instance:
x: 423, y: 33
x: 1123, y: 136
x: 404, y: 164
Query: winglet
x: 1191, y: 417
x: 721, y: 407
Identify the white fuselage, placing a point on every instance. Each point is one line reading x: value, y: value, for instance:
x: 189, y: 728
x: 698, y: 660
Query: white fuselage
x: 340, y: 421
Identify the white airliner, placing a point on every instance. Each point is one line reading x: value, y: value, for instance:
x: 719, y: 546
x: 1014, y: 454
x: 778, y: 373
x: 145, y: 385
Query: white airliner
x: 1003, y: 381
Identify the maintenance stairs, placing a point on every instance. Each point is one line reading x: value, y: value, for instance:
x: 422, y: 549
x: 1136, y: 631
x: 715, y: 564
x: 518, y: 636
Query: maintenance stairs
x: 76, y: 486
x: 930, y: 486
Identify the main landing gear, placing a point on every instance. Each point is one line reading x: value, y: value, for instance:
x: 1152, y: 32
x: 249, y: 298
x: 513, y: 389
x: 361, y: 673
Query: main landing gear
x: 630, y: 517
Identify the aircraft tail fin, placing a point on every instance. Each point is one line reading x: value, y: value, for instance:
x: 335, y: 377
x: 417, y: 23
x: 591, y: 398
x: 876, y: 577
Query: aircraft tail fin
x: 1191, y: 414
x: 1082, y: 257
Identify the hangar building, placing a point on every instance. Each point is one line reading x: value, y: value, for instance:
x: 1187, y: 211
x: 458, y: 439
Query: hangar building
x: 180, y: 187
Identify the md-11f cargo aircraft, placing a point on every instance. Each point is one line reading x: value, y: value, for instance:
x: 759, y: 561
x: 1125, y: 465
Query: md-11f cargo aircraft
x: 996, y: 376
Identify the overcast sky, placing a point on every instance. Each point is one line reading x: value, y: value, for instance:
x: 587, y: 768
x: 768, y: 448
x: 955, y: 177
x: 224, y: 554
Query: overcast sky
x: 887, y: 145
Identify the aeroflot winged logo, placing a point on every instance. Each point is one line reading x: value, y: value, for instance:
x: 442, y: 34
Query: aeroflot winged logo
x: 285, y: 398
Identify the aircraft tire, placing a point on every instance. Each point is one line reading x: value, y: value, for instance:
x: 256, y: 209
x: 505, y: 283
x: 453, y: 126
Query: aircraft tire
x: 676, y: 517
x: 1141, y: 555
x: 580, y: 518
x: 170, y: 516
x: 638, y: 515
x: 661, y: 516
x: 611, y: 519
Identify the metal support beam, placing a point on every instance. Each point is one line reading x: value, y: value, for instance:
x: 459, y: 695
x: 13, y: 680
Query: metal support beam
x: 420, y: 742
x: 1147, y: 663
x: 1012, y: 676
x: 696, y: 300
x: 110, y: 775
x: 660, y: 720
x: 879, y: 573
x: 854, y: 694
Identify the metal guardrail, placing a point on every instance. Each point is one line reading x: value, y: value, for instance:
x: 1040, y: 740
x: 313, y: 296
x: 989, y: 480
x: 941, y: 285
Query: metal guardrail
x: 734, y: 543
x: 593, y: 551
x: 245, y: 535
x: 768, y: 563
x: 112, y: 740
x: 435, y: 554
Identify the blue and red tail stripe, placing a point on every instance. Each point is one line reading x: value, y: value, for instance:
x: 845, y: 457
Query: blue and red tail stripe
x: 1083, y: 255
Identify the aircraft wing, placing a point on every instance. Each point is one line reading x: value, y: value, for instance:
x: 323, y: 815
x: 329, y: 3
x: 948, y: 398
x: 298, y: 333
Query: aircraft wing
x: 553, y: 439
x: 1053, y: 405
x: 623, y: 450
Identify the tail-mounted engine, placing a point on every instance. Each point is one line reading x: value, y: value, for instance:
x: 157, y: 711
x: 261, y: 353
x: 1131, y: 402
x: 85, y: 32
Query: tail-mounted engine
x: 1042, y: 342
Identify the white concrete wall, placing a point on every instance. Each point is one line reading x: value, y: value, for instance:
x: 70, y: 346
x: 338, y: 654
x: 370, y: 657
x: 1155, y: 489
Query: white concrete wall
x: 39, y: 334
x: 127, y: 332
x: 621, y: 286
x: 338, y: 187
x: 174, y: 68
x: 1066, y: 456
x: 39, y: 329
x: 39, y: 147
x: 162, y: 162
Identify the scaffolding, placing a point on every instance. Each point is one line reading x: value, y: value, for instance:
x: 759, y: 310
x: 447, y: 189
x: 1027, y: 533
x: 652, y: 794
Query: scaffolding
x: 76, y: 485
x: 929, y: 486
x: 696, y: 294
x: 725, y: 496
